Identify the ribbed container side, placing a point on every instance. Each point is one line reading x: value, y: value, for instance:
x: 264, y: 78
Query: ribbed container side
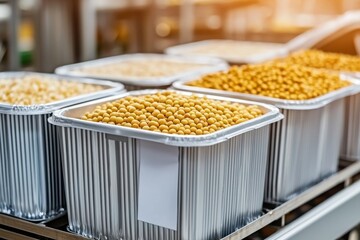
x: 220, y: 187
x: 304, y: 149
x: 351, y: 142
x: 31, y: 184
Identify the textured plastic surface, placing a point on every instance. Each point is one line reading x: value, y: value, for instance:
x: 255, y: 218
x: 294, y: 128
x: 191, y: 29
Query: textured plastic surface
x: 187, y: 50
x: 210, y: 65
x: 31, y: 184
x: 351, y: 140
x: 70, y: 117
x: 284, y: 104
x: 109, y: 89
x: 221, y: 187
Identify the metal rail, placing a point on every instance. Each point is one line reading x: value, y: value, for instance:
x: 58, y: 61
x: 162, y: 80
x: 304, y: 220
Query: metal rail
x: 341, y: 210
x: 275, y: 214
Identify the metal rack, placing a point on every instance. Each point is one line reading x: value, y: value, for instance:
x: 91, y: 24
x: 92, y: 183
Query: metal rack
x: 344, y: 177
x: 339, y: 196
x: 344, y: 206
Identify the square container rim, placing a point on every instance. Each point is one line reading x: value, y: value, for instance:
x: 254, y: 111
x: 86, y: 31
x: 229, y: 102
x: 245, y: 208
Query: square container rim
x: 213, y: 64
x: 272, y: 115
x: 38, y: 109
x: 309, y: 104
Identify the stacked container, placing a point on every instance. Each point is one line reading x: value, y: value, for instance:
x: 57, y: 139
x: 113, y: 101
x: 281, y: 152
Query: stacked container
x: 146, y: 70
x: 31, y: 184
x: 220, y: 181
x: 305, y: 146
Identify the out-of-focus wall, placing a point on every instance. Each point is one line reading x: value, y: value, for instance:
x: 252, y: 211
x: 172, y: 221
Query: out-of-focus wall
x: 122, y: 26
x: 308, y: 13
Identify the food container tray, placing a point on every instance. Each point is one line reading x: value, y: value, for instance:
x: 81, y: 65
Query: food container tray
x: 273, y: 50
x: 220, y: 179
x: 136, y: 82
x: 31, y: 184
x: 305, y: 146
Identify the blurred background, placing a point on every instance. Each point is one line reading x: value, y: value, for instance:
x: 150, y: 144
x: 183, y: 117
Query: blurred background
x: 44, y: 34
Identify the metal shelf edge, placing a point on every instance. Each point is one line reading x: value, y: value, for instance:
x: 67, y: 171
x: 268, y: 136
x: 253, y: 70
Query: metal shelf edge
x: 294, y: 203
x: 329, y: 220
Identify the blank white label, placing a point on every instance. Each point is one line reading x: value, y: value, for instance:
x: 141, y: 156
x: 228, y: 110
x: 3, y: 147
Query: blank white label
x: 158, y: 185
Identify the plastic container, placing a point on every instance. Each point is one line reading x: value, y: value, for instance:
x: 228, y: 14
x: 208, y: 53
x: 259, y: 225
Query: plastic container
x: 351, y: 140
x: 219, y: 186
x: 142, y: 82
x: 305, y: 146
x: 234, y: 52
x: 31, y: 184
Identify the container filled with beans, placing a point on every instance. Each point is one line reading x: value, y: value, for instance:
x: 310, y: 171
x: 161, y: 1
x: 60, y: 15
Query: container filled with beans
x: 234, y: 52
x: 325, y: 60
x: 173, y: 113
x: 209, y: 140
x: 346, y: 64
x: 141, y: 71
x: 309, y: 135
x: 31, y: 184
